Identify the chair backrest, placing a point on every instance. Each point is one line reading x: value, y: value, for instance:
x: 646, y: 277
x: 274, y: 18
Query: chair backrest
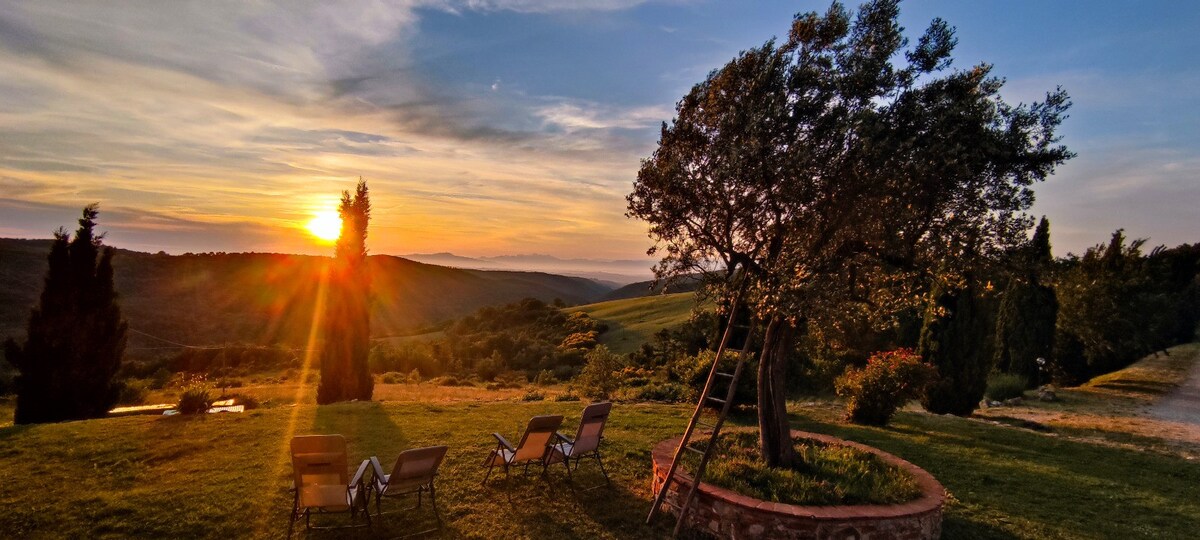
x: 591, y: 427
x: 538, y: 435
x: 319, y: 460
x: 418, y: 464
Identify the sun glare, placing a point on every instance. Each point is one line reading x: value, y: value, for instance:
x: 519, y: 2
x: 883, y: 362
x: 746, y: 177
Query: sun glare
x: 326, y: 226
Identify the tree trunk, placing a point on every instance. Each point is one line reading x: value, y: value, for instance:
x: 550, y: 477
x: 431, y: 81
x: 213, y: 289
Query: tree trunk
x: 775, y: 440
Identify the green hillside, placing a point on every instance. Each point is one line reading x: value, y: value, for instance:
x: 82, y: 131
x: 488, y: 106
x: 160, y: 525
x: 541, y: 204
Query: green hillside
x: 634, y: 321
x: 266, y: 298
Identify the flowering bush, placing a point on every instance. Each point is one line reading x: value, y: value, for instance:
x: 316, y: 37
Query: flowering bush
x: 890, y: 378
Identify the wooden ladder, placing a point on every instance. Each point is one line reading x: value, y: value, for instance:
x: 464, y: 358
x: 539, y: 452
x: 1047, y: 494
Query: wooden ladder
x: 706, y: 397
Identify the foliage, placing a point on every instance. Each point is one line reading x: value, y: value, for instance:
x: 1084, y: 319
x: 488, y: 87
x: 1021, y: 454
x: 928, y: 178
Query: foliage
x: 76, y: 334
x: 533, y: 395
x: 566, y: 396
x: 832, y: 475
x: 346, y: 332
x: 1117, y: 305
x: 133, y: 392
x: 393, y: 377
x: 830, y: 176
x: 528, y: 336
x: 238, y: 359
x: 196, y: 398
x: 874, y: 393
x: 950, y: 341
x: 545, y: 377
x: 600, y: 376
x: 1028, y: 312
x: 1002, y: 386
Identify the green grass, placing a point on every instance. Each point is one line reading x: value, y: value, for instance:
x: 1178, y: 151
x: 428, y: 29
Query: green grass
x: 634, y: 321
x: 227, y: 475
x: 831, y: 474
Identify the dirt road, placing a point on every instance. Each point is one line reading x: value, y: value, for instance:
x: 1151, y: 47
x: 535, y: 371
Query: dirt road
x: 1182, y: 404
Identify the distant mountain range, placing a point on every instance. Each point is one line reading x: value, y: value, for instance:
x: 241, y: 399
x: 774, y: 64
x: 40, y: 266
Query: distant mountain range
x: 614, y: 272
x: 647, y: 288
x: 212, y: 299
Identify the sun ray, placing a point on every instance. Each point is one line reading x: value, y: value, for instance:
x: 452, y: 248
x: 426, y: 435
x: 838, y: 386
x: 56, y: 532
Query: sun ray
x: 283, y: 461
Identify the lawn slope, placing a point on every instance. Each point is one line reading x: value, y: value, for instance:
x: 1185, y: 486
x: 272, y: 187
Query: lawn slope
x: 226, y: 476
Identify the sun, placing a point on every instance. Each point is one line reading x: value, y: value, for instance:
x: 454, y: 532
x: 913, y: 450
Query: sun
x: 326, y: 226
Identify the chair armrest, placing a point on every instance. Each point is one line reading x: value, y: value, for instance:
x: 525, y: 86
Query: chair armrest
x: 377, y: 469
x: 504, y: 442
x: 358, y: 476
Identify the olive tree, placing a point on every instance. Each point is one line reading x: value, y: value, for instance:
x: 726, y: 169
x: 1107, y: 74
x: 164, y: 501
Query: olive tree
x: 841, y: 170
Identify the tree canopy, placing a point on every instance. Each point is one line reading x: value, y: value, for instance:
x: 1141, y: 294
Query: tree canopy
x: 842, y: 169
x: 76, y: 334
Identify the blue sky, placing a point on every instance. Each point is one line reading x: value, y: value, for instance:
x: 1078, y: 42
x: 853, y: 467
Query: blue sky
x: 487, y: 127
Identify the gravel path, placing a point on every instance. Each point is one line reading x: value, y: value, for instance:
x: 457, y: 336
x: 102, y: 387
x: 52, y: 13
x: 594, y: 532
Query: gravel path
x: 1182, y: 405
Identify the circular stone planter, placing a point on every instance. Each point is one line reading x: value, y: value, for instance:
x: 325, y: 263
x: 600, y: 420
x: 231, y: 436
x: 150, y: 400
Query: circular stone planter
x: 730, y: 515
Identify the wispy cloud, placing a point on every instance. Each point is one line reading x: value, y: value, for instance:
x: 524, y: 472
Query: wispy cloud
x: 240, y: 117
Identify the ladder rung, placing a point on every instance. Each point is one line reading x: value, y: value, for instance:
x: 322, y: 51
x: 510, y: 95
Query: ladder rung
x: 724, y: 374
x: 706, y: 424
x: 691, y: 448
x: 718, y: 400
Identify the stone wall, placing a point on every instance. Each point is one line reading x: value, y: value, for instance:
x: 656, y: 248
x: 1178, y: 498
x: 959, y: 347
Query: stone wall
x: 729, y: 515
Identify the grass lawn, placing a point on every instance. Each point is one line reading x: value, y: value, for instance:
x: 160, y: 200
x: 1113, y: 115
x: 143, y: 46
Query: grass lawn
x: 227, y: 475
x: 633, y: 321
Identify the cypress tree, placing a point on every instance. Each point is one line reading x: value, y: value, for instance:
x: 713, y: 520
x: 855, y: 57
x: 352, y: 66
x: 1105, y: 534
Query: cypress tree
x: 1028, y: 312
x: 345, y: 373
x: 76, y: 335
x: 950, y: 339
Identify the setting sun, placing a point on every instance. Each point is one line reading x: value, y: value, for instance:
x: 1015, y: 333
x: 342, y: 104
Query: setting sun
x: 326, y: 226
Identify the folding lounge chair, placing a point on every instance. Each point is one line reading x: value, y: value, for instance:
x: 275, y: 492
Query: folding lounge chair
x: 534, y: 446
x: 322, y: 483
x: 414, y: 472
x: 586, y: 443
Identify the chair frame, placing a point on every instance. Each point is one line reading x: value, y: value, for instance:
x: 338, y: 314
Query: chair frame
x: 379, y: 484
x: 503, y: 444
x: 357, y: 493
x: 560, y: 447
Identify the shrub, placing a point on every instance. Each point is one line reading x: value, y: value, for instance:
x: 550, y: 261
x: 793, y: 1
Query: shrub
x: 249, y: 402
x: 197, y: 397
x: 449, y: 380
x: 566, y: 396
x: 544, y: 377
x: 1002, y: 386
x: 414, y: 376
x: 533, y: 395
x: 393, y: 377
x: 133, y: 392
x: 160, y: 378
x: 889, y: 379
x: 600, y: 378
x: 658, y: 391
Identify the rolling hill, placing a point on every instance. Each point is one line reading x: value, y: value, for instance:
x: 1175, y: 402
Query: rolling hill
x: 207, y: 299
x: 650, y: 288
x: 633, y: 321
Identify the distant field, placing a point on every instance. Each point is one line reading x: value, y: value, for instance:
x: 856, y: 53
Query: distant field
x: 634, y: 321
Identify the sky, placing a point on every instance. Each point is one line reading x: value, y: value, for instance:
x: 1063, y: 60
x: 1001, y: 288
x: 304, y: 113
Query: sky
x: 492, y: 127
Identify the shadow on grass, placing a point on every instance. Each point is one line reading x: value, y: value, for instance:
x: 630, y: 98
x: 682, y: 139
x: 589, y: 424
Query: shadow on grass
x: 1044, y: 485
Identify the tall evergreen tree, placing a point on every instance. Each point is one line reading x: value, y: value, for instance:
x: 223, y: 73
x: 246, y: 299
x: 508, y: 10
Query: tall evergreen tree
x: 950, y: 340
x: 76, y: 335
x: 1028, y: 312
x: 345, y: 374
